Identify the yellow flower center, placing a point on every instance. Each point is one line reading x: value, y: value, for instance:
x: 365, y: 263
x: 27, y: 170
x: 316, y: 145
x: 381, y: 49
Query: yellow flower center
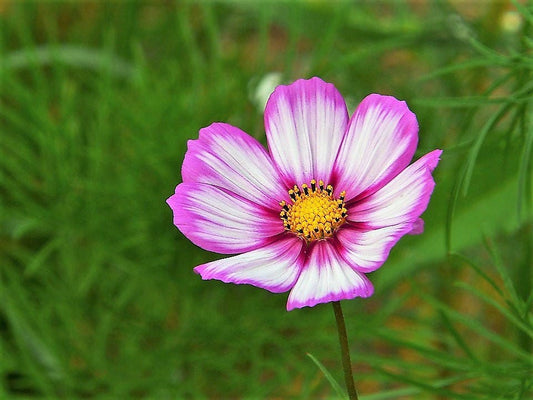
x: 313, y: 213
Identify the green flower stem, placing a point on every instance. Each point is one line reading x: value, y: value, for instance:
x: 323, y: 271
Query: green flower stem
x: 345, y: 351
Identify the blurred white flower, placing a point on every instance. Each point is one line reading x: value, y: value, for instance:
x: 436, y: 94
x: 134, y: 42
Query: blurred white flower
x: 511, y: 21
x: 260, y: 92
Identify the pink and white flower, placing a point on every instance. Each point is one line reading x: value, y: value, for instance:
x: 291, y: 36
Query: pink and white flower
x: 318, y: 210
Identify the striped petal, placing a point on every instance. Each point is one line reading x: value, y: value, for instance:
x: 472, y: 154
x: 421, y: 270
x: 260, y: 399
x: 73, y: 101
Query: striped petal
x: 327, y: 277
x: 380, y: 142
x: 367, y: 250
x: 401, y: 201
x: 304, y: 124
x: 227, y: 157
x: 274, y: 267
x: 219, y: 221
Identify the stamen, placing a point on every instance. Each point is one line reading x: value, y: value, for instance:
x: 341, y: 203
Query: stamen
x: 292, y: 195
x: 296, y: 191
x: 314, y: 213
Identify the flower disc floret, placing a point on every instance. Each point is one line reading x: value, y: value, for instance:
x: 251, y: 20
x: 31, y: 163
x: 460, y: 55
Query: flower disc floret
x: 314, y: 213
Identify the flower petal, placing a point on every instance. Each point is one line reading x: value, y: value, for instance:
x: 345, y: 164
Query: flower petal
x: 327, y: 277
x: 304, y: 124
x: 227, y: 157
x: 218, y: 221
x: 380, y: 142
x: 402, y: 200
x: 367, y: 250
x: 417, y: 228
x: 274, y: 267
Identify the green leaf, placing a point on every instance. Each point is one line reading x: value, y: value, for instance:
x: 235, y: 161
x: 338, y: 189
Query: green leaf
x: 329, y: 377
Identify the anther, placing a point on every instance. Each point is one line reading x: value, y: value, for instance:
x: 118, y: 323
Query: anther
x: 292, y: 195
x: 313, y: 185
x: 305, y: 189
x: 321, y: 185
x: 329, y: 190
x: 296, y: 191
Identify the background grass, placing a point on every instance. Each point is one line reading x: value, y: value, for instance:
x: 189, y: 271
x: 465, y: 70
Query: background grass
x: 97, y: 294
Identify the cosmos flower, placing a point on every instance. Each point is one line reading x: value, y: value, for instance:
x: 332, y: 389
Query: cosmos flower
x: 318, y: 210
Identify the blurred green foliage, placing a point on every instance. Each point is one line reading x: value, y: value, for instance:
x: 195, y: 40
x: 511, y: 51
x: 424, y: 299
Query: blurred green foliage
x: 97, y: 294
